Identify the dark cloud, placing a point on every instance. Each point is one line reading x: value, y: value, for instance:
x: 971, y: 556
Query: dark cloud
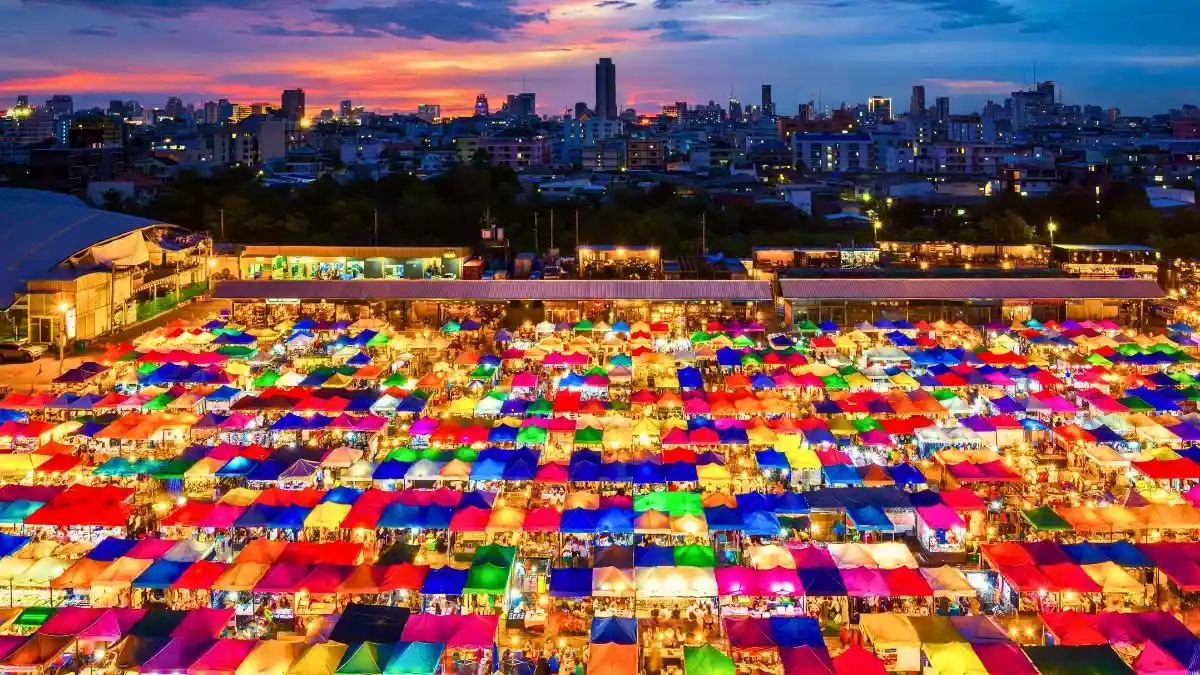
x: 669, y: 4
x: 677, y: 30
x: 609, y: 40
x: 95, y: 31
x: 616, y: 4
x: 448, y: 20
x: 161, y: 9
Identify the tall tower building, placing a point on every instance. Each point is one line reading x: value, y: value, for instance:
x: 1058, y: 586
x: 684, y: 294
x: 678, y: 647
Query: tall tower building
x: 347, y: 109
x: 768, y: 103
x: 481, y: 106
x: 916, y: 105
x: 174, y: 108
x: 292, y: 104
x: 61, y: 105
x: 606, y: 89
x: 735, y: 110
x: 881, y: 106
x: 942, y: 106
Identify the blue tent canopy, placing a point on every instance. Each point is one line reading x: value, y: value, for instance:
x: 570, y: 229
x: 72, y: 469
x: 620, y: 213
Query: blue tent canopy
x: 514, y: 406
x: 614, y: 630
x: 841, y: 474
x: 828, y: 326
x: 653, y: 556
x: 761, y: 523
x: 398, y: 516
x: 733, y: 436
x: 10, y: 543
x: 267, y: 470
x: 488, y: 469
x: 925, y: 498
x: 791, y: 503
x: 370, y: 623
x: 290, y: 422
x: 616, y: 472
x: 434, y: 517
x: 772, y: 459
x: 614, y: 521
x: 258, y: 515
x: 756, y: 501
x: 729, y: 357
x: 224, y: 393
x: 1085, y: 553
x: 906, y: 474
x: 870, y: 518
x: 520, y: 468
x: 620, y: 327
x: 236, y: 467
x: 1125, y: 554
x: 161, y: 574
x: 444, y: 581
x: 571, y: 582
x: 106, y: 551
x: 342, y: 495
x: 680, y: 472
x: 392, y: 469
x: 800, y: 631
x: 821, y: 581
x: 291, y: 518
x: 578, y: 521
x: 412, y: 404
x: 648, y: 473
x: 690, y: 378
x: 819, y: 437
x: 723, y: 519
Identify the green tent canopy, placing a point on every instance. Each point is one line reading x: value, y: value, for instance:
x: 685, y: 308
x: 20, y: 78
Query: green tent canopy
x: 146, y: 368
x: 583, y: 326
x: 695, y: 555
x: 1070, y: 660
x: 1044, y: 519
x: 531, y: 435
x: 117, y: 466
x: 379, y: 340
x: 403, y: 455
x: 174, y: 469
x: 267, y: 379
x: 807, y: 325
x: 588, y: 436
x: 742, y: 341
x: 33, y: 617
x: 835, y: 382
x: 415, y: 658
x: 495, y: 554
x: 700, y: 336
x: 451, y: 327
x: 706, y: 660
x: 541, y: 408
x: 237, y: 351
x: 365, y: 658
x: 865, y: 424
x: 487, y: 579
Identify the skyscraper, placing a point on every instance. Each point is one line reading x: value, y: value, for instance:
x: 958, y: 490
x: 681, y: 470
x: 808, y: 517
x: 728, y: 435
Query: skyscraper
x: 292, y: 103
x: 916, y: 104
x: 174, y: 108
x: 606, y: 89
x: 581, y: 109
x: 942, y: 106
x: 735, y: 110
x: 768, y: 104
x: 522, y: 105
x: 23, y: 101
x: 806, y: 111
x: 347, y: 109
x: 61, y: 105
x: 481, y: 106
x: 881, y: 106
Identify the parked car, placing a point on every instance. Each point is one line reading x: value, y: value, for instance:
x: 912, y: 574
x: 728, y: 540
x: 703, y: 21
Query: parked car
x: 19, y: 352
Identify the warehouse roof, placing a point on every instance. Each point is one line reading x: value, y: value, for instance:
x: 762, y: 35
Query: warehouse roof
x: 39, y: 230
x: 968, y: 289
x: 498, y: 291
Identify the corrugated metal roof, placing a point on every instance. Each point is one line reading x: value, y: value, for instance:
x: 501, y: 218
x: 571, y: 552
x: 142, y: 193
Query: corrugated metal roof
x: 968, y: 289
x: 504, y: 290
x: 270, y: 250
x: 39, y: 230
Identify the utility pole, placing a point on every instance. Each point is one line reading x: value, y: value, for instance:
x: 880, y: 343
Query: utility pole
x: 704, y: 234
x: 376, y: 227
x: 552, y: 230
x: 576, y: 233
x: 222, y: 212
x: 535, y: 234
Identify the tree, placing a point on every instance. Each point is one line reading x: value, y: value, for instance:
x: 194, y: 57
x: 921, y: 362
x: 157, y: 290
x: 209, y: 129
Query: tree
x: 111, y: 200
x: 481, y: 157
x: 1007, y: 228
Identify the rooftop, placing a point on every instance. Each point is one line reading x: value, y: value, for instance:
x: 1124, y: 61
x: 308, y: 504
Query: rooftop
x: 499, y: 291
x: 969, y: 289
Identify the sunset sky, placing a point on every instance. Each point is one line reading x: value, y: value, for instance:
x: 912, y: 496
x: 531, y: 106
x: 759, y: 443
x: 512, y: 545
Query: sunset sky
x: 393, y: 54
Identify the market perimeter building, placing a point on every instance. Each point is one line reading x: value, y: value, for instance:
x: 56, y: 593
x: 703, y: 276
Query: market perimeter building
x: 71, y: 270
x: 404, y: 302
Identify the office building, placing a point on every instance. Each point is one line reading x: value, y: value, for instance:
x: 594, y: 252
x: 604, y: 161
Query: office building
x: 588, y: 131
x: 61, y: 105
x: 211, y: 114
x: 116, y: 108
x: 768, y: 103
x: 292, y: 104
x: 880, y: 107
x: 606, y: 89
x: 174, y: 108
x: 430, y: 112
x: 1027, y: 106
x: 261, y: 108
x: 807, y: 112
x: 347, y: 109
x: 735, y: 110
x: 916, y: 104
x: 254, y: 140
x: 645, y: 154
x: 826, y: 152
x: 942, y: 109
x: 481, y: 106
x: 522, y: 105
x: 23, y: 101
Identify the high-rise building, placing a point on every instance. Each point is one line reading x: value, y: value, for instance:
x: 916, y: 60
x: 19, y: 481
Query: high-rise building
x: 807, y: 112
x: 1027, y: 105
x: 261, y: 108
x: 768, y: 103
x: 133, y: 110
x: 735, y: 110
x: 211, y: 112
x: 606, y: 89
x: 675, y: 111
x: 580, y: 110
x: 347, y: 109
x: 61, y: 105
x: 1112, y: 115
x: 292, y: 104
x: 942, y: 106
x: 174, y: 108
x: 429, y: 112
x: 522, y: 105
x: 916, y: 104
x: 481, y: 106
x: 881, y: 107
x: 116, y: 107
x: 23, y: 101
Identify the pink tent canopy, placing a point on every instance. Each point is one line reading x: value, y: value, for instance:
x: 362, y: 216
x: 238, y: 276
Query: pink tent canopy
x: 475, y: 631
x: 863, y: 582
x: 940, y: 517
x: 749, y: 633
x: 223, y: 658
x: 1155, y: 660
x: 780, y: 582
x: 545, y: 519
x: 470, y: 519
x: 858, y: 661
x: 806, y: 661
x: 1001, y: 658
x: 737, y: 581
x: 203, y: 622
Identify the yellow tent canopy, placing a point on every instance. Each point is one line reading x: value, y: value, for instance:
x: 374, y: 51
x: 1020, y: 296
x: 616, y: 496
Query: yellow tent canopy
x: 954, y: 658
x: 319, y: 659
x: 327, y: 515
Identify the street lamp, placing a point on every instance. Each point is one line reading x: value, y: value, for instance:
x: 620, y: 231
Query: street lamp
x: 877, y: 225
x: 62, y: 332
x: 1051, y: 227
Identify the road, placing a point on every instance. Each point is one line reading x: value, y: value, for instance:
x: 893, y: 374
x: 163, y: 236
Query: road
x: 39, y: 375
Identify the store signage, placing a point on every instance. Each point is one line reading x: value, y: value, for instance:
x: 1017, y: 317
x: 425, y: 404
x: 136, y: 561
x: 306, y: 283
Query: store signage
x: 283, y: 301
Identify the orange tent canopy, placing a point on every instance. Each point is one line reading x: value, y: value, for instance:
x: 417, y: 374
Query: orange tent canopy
x: 612, y: 659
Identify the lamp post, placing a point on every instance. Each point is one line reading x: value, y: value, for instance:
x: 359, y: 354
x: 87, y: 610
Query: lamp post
x: 62, y: 329
x: 1052, y: 227
x: 876, y: 226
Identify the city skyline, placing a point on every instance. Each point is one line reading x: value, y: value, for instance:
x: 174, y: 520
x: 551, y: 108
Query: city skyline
x: 398, y: 55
